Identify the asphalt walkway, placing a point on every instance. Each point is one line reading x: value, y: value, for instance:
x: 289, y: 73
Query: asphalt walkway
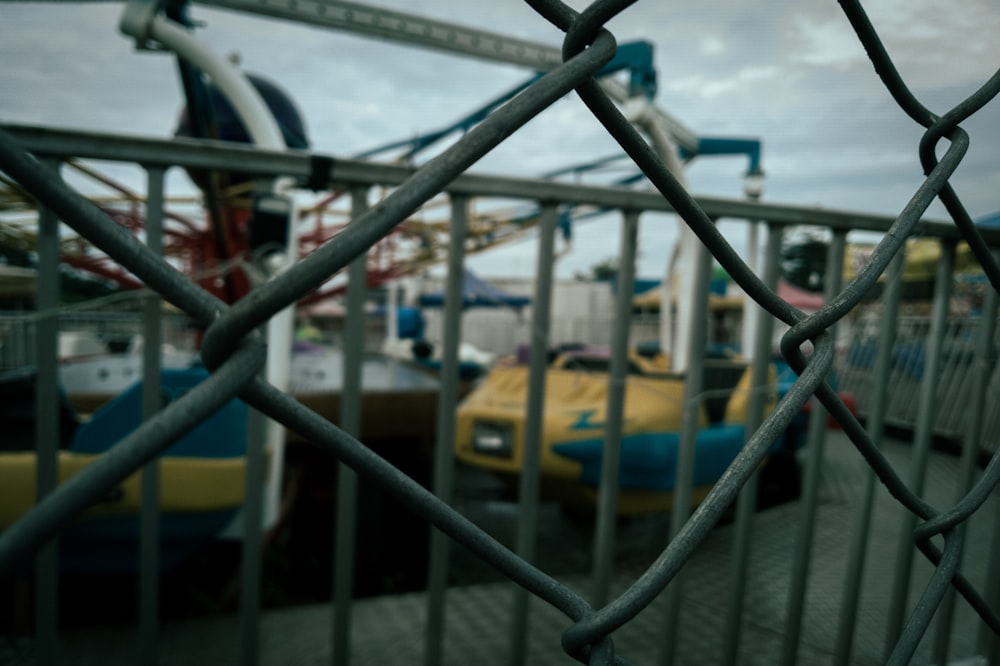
x: 390, y: 630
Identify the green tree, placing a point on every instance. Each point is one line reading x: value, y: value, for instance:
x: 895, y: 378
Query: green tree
x: 605, y: 270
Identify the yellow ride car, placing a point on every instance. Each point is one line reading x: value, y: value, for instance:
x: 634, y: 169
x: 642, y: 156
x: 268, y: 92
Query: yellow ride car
x: 491, y: 421
x: 202, y: 474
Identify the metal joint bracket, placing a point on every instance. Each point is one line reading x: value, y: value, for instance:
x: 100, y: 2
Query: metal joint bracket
x: 137, y: 21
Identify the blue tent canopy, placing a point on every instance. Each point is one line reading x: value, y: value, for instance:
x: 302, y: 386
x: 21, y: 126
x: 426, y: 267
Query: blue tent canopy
x: 477, y: 293
x: 992, y: 220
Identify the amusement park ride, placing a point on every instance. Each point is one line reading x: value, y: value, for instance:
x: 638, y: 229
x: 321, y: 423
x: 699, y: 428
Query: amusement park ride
x: 240, y: 221
x: 239, y: 231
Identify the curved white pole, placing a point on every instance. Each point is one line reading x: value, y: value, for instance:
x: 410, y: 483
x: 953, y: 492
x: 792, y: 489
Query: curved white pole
x: 246, y: 101
x: 681, y: 263
x: 142, y: 23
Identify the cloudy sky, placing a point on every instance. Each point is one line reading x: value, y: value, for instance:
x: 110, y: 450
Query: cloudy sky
x: 790, y: 73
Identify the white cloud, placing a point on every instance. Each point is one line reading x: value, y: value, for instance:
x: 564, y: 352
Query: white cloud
x: 930, y: 44
x: 788, y: 72
x: 712, y: 45
x: 711, y: 87
x: 829, y: 42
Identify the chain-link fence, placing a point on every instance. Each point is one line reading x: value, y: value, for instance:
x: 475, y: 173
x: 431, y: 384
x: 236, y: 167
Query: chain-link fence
x: 235, y: 352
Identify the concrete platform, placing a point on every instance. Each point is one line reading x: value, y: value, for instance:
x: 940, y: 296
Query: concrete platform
x: 390, y: 630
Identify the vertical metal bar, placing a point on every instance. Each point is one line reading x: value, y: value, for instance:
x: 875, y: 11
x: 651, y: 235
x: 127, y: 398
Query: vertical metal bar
x: 988, y: 642
x: 252, y: 514
x: 262, y: 434
x: 908, y: 401
x: 751, y: 311
x: 47, y: 430
x: 261, y: 502
x: 876, y: 424
x: 607, y: 500
x: 897, y: 374
x: 923, y: 433
x: 690, y: 424
x: 531, y: 455
x: 149, y: 520
x: 444, y: 463
x: 960, y: 408
x: 982, y: 370
x: 954, y: 379
x: 350, y: 422
x: 814, y: 465
x: 747, y: 502
x: 954, y: 375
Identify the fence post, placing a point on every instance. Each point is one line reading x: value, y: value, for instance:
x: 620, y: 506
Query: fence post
x: 988, y: 642
x: 149, y: 531
x: 47, y: 429
x: 747, y: 502
x: 444, y: 453
x: 875, y: 427
x: 607, y: 500
x: 251, y: 556
x: 983, y: 366
x: 683, y: 491
x: 350, y: 422
x: 923, y: 434
x: 531, y: 455
x: 813, y: 469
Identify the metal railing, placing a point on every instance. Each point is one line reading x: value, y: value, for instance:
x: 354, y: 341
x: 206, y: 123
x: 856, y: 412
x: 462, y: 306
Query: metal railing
x: 502, y: 333
x: 234, y: 351
x: 954, y: 394
x: 113, y: 323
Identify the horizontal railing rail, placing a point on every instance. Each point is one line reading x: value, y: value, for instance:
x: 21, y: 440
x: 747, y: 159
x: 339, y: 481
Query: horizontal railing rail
x: 345, y: 172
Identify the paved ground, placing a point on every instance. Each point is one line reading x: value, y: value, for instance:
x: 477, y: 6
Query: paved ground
x: 389, y: 629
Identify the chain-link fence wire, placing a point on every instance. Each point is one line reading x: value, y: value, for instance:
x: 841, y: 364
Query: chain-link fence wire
x: 235, y: 353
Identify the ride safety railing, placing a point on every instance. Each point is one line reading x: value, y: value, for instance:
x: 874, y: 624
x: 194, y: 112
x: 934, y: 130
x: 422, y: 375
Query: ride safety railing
x: 235, y: 352
x: 953, y: 396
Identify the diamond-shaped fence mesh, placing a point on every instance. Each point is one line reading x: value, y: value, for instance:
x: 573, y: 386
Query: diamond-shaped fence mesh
x: 234, y: 351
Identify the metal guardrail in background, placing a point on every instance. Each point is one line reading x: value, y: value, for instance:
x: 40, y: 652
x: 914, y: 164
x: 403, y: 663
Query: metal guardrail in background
x: 234, y: 351
x: 954, y: 394
x: 97, y: 321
